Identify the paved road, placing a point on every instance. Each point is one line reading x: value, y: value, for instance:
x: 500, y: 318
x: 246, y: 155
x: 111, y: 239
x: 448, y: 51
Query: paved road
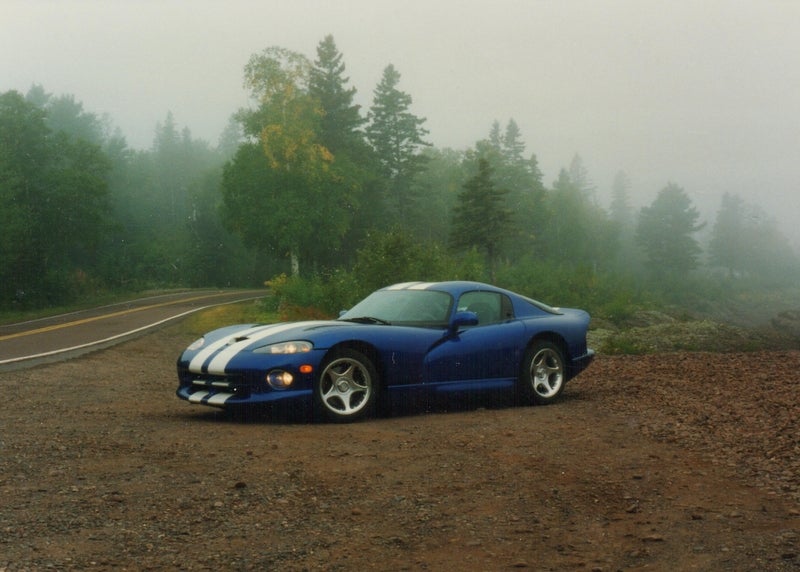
x: 54, y: 338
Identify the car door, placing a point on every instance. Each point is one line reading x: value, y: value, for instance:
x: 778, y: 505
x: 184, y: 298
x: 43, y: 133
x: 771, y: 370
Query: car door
x: 483, y: 356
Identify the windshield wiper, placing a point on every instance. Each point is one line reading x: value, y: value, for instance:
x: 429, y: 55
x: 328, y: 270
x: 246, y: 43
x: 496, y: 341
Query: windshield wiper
x: 368, y: 320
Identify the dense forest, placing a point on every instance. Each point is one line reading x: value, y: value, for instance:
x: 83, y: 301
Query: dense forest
x: 324, y: 201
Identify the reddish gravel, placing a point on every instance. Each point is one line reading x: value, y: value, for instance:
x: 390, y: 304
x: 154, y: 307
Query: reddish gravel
x: 676, y: 461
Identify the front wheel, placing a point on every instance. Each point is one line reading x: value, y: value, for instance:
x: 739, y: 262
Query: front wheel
x: 543, y: 375
x: 347, y: 387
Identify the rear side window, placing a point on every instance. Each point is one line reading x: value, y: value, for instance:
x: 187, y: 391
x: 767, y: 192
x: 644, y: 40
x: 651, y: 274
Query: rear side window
x: 491, y: 307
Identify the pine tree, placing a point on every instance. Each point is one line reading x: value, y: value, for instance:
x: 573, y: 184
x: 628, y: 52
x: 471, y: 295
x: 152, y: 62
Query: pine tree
x: 665, y: 232
x: 579, y: 175
x: 620, y: 209
x: 396, y: 135
x: 521, y: 177
x: 481, y: 217
x: 729, y: 235
x: 341, y: 120
x: 747, y: 242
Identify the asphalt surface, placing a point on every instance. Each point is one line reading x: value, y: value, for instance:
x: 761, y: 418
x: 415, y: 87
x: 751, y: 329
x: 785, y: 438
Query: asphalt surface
x: 54, y: 338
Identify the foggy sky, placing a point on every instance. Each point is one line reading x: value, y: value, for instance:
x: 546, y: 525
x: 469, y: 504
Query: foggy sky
x: 703, y: 94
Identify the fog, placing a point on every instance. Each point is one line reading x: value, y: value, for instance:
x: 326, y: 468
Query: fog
x: 703, y: 95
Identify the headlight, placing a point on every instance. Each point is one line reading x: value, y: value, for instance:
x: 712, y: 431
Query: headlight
x: 197, y: 344
x: 296, y: 347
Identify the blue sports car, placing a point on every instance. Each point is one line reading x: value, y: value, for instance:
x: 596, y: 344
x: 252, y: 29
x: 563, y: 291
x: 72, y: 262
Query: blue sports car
x: 411, y: 337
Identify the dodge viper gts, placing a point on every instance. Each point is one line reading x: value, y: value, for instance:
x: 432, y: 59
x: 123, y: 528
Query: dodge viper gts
x: 411, y: 337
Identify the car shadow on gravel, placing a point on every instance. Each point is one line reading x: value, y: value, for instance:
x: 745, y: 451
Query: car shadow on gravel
x: 301, y: 414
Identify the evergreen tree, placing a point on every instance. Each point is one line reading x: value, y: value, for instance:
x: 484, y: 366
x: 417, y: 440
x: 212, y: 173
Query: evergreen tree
x: 396, y: 136
x: 521, y: 177
x: 576, y: 231
x: 481, y: 217
x: 622, y: 217
x: 579, y: 176
x: 512, y: 145
x: 341, y: 132
x: 729, y: 235
x: 566, y: 238
x: 665, y: 230
x: 746, y: 242
x: 229, y: 140
x: 340, y: 126
x: 444, y: 176
x: 620, y: 209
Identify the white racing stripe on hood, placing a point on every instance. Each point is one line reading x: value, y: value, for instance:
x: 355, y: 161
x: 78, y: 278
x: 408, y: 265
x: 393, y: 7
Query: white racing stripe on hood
x: 219, y: 363
x: 197, y: 361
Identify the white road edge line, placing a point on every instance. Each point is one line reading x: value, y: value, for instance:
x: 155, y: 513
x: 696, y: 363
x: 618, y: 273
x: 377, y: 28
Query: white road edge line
x: 100, y: 343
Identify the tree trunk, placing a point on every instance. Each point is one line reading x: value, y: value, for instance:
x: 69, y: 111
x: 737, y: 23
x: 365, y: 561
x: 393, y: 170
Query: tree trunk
x: 295, y: 262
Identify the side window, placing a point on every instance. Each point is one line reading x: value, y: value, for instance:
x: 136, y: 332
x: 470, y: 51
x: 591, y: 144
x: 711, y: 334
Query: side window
x: 490, y: 307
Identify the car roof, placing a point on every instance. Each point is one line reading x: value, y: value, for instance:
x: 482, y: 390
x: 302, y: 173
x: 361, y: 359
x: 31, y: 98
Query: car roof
x: 454, y: 287
x: 457, y: 287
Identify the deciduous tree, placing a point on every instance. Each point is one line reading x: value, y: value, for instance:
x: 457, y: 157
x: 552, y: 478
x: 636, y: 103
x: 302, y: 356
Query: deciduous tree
x: 297, y: 202
x: 53, y: 204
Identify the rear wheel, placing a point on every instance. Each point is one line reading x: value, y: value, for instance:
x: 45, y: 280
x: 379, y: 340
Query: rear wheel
x: 347, y: 387
x: 543, y: 375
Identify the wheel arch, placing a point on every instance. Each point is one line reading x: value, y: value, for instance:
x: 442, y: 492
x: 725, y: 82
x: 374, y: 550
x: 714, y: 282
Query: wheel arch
x: 368, y: 350
x: 552, y: 337
x: 561, y: 342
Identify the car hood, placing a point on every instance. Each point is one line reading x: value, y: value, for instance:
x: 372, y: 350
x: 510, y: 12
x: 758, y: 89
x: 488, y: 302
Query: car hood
x: 251, y: 336
x: 222, y: 344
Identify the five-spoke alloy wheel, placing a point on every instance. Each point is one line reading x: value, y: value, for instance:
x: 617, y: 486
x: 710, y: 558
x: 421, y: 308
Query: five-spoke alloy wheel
x: 347, y: 387
x: 543, y: 374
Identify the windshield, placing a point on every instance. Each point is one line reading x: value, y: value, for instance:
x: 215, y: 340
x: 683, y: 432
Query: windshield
x: 408, y: 307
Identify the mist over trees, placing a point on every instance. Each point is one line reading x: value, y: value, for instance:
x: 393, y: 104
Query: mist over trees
x: 339, y: 199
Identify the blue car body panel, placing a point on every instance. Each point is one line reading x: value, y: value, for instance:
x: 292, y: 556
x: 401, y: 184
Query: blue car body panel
x: 226, y: 370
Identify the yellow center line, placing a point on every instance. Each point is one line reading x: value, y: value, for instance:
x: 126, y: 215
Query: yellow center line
x: 103, y: 317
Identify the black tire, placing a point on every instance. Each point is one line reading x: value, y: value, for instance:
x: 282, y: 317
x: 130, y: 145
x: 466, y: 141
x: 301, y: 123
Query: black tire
x: 347, y: 387
x: 543, y: 374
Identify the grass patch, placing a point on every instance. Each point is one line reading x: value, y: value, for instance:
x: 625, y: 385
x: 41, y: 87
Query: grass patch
x: 250, y: 312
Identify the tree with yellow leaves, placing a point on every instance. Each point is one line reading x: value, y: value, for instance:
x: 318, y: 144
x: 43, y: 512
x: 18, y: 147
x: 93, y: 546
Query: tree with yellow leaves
x: 289, y: 198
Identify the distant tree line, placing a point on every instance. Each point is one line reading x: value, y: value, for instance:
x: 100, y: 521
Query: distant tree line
x: 334, y: 200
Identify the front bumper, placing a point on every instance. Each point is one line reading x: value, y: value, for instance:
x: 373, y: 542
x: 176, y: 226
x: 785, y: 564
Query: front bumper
x: 580, y: 363
x: 218, y: 397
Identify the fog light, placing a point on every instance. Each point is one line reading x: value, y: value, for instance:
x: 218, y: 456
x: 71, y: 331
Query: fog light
x: 279, y: 379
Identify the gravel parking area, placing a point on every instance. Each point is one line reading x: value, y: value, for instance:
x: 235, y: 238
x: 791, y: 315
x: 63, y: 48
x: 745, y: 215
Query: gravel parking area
x: 673, y: 461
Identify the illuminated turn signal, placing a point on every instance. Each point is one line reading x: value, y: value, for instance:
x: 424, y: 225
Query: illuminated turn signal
x: 306, y: 368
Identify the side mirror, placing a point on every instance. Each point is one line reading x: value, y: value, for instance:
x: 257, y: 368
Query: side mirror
x: 462, y: 319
